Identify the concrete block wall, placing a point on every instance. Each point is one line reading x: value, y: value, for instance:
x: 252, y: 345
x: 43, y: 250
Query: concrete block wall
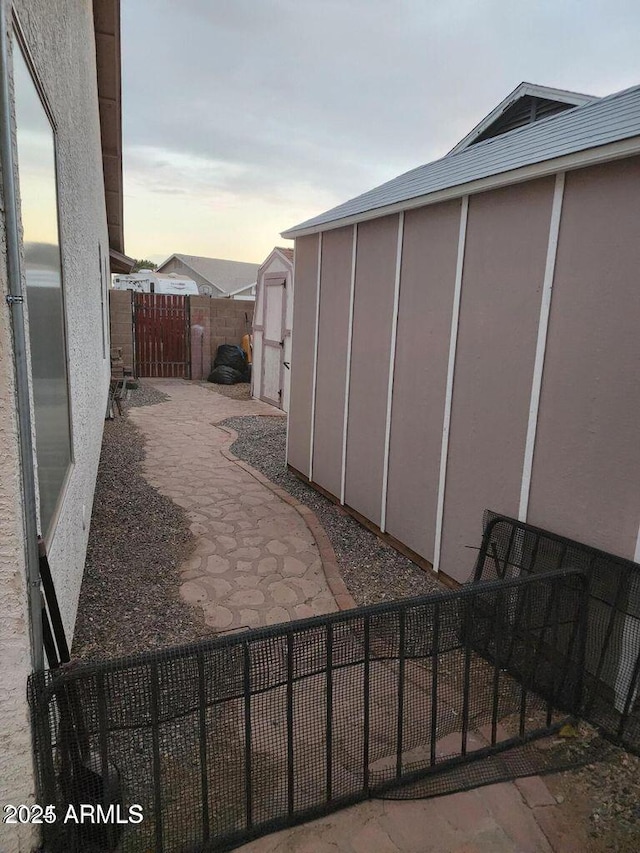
x: 200, y: 316
x: 121, y: 322
x: 230, y: 320
x: 213, y: 322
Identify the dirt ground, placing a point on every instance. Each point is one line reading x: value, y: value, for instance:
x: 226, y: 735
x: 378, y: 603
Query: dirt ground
x: 602, y: 801
x: 239, y: 391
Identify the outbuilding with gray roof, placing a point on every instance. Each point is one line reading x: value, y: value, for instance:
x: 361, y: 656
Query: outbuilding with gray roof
x: 465, y: 336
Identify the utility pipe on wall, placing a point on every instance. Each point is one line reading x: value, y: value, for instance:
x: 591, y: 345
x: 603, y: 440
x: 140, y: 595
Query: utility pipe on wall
x: 15, y: 299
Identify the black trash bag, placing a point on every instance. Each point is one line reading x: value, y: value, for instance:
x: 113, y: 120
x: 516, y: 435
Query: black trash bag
x: 224, y: 375
x: 230, y: 355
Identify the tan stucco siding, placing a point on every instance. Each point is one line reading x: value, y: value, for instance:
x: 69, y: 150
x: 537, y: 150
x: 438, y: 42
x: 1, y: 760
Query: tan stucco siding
x: 335, y: 286
x: 302, y: 353
x: 371, y: 342
x: 59, y: 35
x: 503, y: 274
x: 424, y: 318
x: 586, y: 465
x: 16, y: 779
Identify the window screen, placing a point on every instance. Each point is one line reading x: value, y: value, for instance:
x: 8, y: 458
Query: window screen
x: 43, y: 274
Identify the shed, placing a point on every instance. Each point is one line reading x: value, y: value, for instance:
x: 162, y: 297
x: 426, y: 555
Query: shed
x: 272, y: 323
x: 466, y: 337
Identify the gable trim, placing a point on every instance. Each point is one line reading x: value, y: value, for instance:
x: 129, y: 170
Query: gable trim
x: 522, y: 91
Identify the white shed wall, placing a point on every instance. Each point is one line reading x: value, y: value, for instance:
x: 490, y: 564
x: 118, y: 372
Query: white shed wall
x: 275, y: 263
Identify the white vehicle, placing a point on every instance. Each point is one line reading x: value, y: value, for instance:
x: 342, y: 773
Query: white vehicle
x: 148, y: 281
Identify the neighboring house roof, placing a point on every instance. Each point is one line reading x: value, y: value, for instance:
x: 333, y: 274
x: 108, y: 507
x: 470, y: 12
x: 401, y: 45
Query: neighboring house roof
x: 613, y: 119
x: 527, y: 103
x: 241, y: 289
x: 226, y: 276
x: 288, y: 253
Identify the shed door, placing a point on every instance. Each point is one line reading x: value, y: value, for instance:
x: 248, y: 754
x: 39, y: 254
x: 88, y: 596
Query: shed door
x: 273, y: 341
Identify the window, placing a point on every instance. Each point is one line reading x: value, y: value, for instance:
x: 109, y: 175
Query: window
x: 43, y: 274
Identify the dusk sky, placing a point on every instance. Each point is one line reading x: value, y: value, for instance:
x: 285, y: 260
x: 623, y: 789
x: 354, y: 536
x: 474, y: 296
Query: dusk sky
x: 242, y: 118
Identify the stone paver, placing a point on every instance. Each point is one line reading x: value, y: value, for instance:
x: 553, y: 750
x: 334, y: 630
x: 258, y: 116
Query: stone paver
x: 261, y: 559
x: 256, y: 562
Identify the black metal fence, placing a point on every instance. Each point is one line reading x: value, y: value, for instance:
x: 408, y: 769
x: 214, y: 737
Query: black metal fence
x: 223, y: 741
x: 511, y: 548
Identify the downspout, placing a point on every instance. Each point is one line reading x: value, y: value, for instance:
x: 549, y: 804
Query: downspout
x: 15, y: 300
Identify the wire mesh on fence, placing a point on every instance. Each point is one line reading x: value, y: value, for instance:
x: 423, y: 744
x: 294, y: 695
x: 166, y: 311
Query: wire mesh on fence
x: 511, y: 548
x: 227, y: 739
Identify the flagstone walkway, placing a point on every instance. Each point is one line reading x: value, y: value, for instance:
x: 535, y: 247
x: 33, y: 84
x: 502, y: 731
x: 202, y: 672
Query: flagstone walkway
x: 261, y: 559
x: 256, y: 562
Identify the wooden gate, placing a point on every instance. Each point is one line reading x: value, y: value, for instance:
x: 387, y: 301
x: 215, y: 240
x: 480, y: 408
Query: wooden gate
x: 161, y: 323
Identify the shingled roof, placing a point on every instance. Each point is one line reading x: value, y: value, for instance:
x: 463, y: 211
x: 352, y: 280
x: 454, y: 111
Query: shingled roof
x: 528, y: 103
x: 227, y: 276
x: 596, y: 124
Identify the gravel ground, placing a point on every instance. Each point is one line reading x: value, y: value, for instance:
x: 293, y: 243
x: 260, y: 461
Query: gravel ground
x: 371, y: 570
x: 129, y: 600
x: 144, y: 395
x: 239, y: 391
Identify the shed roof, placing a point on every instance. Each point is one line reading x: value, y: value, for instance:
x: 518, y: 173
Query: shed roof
x: 593, y: 125
x: 227, y: 276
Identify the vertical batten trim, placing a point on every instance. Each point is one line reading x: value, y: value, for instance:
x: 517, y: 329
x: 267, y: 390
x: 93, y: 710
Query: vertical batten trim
x: 347, y: 382
x: 287, y: 297
x: 630, y: 628
x: 392, y: 364
x: 315, y: 360
x: 453, y: 343
x: 541, y: 346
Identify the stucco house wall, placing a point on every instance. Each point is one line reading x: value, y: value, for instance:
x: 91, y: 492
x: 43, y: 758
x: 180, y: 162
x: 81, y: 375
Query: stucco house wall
x: 441, y: 412
x: 60, y: 37
x: 16, y: 774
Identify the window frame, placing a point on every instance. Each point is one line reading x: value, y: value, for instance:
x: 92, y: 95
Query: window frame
x: 19, y: 42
